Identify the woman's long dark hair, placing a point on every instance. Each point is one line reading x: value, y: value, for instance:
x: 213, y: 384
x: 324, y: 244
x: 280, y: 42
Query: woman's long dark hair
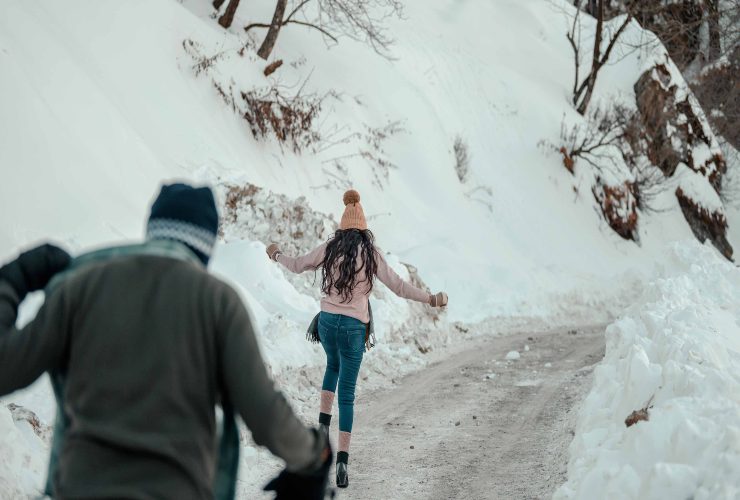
x: 341, y: 253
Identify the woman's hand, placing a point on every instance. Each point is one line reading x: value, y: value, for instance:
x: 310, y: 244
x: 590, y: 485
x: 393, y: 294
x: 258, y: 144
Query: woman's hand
x: 273, y: 251
x: 438, y: 299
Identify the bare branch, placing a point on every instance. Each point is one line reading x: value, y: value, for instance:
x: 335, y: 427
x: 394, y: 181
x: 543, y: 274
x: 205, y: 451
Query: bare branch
x: 614, y: 39
x: 576, y: 49
x: 294, y: 11
x: 255, y: 25
x: 309, y: 25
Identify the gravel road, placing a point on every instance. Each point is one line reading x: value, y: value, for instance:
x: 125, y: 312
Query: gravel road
x: 476, y: 425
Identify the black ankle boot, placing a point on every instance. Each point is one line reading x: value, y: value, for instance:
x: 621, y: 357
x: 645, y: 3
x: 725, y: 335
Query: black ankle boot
x: 342, y: 475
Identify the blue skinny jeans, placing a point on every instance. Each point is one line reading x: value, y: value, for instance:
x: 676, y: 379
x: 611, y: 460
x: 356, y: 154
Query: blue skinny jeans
x: 343, y: 340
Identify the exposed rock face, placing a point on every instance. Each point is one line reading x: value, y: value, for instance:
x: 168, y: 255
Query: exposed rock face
x: 676, y: 133
x: 655, y: 101
x: 705, y: 225
x: 674, y: 130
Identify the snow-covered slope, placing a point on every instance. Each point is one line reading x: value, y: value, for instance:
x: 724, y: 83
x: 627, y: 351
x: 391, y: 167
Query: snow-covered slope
x: 103, y: 115
x: 100, y: 103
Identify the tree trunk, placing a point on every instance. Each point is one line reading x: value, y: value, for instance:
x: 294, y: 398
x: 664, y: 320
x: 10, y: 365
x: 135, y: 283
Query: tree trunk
x: 217, y: 4
x: 277, y: 22
x: 595, y: 60
x: 583, y: 106
x: 228, y: 16
x: 715, y: 46
x: 591, y: 7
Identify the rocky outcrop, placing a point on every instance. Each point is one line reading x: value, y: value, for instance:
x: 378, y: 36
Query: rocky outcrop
x: 705, y: 224
x: 675, y: 133
x: 675, y: 129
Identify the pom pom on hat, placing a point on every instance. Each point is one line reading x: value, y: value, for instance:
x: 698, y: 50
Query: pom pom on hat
x: 351, y: 196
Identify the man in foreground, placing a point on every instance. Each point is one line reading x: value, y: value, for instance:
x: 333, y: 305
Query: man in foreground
x: 146, y: 343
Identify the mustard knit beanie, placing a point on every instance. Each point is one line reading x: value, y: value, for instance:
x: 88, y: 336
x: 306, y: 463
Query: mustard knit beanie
x: 353, y: 217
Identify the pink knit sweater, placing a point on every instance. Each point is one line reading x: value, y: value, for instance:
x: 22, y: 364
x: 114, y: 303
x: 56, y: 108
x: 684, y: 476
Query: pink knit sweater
x: 357, y: 306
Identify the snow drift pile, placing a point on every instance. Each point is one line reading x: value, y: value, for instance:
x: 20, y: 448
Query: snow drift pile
x: 674, y: 359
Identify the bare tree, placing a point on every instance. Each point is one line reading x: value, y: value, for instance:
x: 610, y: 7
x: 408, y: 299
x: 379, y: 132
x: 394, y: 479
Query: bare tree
x: 362, y: 20
x: 228, y: 16
x: 583, y: 91
x: 217, y: 4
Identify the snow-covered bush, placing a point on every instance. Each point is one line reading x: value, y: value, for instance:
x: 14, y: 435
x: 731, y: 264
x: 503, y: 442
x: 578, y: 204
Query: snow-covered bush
x: 619, y: 207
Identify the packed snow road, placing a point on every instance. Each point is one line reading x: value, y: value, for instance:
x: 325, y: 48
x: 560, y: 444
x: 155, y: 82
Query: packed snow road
x: 476, y: 425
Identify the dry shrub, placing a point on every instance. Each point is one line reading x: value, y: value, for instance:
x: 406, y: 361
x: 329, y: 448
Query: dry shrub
x: 597, y: 141
x: 704, y: 224
x: 375, y: 139
x: 605, y: 138
x: 275, y: 110
x: 371, y: 147
x: 619, y: 207
x: 289, y: 119
x: 462, y: 158
x: 202, y: 63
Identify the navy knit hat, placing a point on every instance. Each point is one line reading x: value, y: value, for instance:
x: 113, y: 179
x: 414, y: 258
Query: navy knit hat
x: 186, y: 214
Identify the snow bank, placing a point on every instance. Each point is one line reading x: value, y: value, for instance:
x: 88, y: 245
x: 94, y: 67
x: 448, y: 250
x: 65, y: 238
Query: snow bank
x: 676, y: 351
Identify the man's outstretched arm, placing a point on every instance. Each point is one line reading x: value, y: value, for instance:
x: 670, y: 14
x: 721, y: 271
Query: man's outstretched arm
x: 27, y: 353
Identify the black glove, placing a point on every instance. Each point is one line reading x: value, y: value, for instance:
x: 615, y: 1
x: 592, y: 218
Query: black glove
x: 33, y: 269
x: 308, y: 485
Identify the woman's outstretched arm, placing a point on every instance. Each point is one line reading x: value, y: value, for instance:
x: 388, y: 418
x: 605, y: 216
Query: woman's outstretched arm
x: 309, y: 262
x: 397, y: 285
